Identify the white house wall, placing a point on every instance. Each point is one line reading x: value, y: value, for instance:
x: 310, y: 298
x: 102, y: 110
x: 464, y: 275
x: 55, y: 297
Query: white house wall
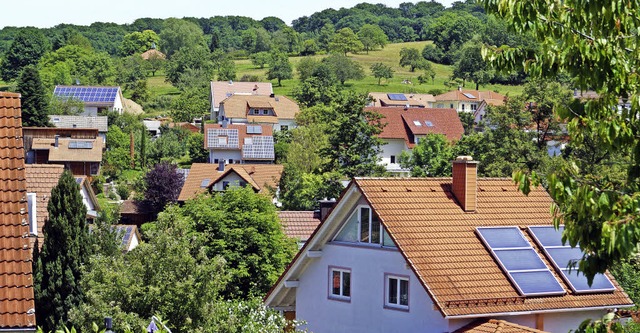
x: 232, y: 178
x: 90, y: 111
x: 365, y: 312
x: 392, y: 147
x: 227, y: 155
x: 290, y: 123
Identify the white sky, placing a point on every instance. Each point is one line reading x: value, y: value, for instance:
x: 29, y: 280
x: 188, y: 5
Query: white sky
x: 48, y: 13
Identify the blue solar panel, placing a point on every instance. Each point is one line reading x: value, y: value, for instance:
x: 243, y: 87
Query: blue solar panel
x: 520, y: 261
x: 565, y: 259
x: 397, y: 97
x: 87, y: 94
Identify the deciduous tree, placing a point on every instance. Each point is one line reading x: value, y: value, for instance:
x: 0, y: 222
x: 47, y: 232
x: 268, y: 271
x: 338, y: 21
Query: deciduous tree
x: 138, y: 42
x: 279, y: 67
x: 411, y: 57
x: 28, y: 46
x: 344, y: 68
x: 431, y: 157
x: 344, y: 41
x: 163, y: 185
x: 371, y: 36
x: 381, y: 71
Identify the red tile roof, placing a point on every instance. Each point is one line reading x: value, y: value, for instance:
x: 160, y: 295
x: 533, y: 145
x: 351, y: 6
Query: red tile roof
x: 495, y: 326
x: 41, y: 179
x: 464, y: 95
x: 299, y: 224
x: 16, y: 284
x: 439, y: 241
x: 400, y: 123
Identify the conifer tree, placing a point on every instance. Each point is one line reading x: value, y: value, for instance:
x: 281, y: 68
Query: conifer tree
x: 35, y: 105
x: 65, y: 248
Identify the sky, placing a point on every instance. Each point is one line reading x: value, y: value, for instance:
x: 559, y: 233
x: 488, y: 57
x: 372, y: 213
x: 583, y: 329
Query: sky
x: 48, y: 13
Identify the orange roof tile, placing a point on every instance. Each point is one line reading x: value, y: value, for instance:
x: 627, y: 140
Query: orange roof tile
x: 438, y: 240
x: 413, y: 100
x: 223, y: 89
x: 41, y: 179
x: 459, y: 95
x: 299, y: 224
x: 495, y: 326
x: 265, y: 176
x: 63, y: 153
x: 236, y: 106
x: 16, y: 284
x: 152, y: 52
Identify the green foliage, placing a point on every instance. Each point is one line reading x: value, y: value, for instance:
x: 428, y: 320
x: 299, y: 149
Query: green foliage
x: 344, y: 68
x: 195, y: 147
x: 236, y: 316
x: 279, y: 67
x: 117, y: 158
x: 381, y: 71
x: 35, y: 102
x: 325, y: 36
x: 260, y: 59
x: 433, y: 53
x: 74, y: 62
x: 177, y: 34
x: 452, y: 29
x: 371, y: 36
x: 598, y: 211
x: 305, y: 67
x: 154, y: 63
x: 187, y: 60
x: 192, y: 103
x: 242, y: 227
x: 309, y: 47
x: 411, y: 57
x: 344, y: 41
x: 138, y: 42
x: 131, y: 70
x: 28, y: 46
x: 470, y: 65
x: 57, y: 267
x: 227, y: 70
x: 431, y: 157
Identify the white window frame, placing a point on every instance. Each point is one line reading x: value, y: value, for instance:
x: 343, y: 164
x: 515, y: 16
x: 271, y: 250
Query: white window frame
x: 222, y: 141
x: 340, y: 296
x: 33, y: 218
x: 387, y: 287
x: 360, y: 207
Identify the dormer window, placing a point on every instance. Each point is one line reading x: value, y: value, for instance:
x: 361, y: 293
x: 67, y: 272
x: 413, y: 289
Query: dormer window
x: 364, y: 227
x: 369, y: 226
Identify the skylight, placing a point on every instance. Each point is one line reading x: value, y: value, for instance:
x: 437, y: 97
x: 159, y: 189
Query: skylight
x: 417, y: 123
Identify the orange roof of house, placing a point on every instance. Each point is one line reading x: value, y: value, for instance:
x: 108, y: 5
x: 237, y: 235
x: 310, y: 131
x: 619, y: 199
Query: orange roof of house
x: 495, y: 326
x: 41, y: 179
x: 63, y: 153
x: 152, y: 52
x: 299, y: 224
x: 236, y: 106
x: 264, y: 176
x: 439, y: 241
x: 465, y: 95
x: 16, y: 286
x: 223, y: 89
x: 413, y: 100
x: 400, y: 123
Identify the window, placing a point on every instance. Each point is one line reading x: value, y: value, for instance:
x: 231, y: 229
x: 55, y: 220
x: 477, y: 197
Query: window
x: 340, y: 283
x: 393, y: 159
x: 284, y: 127
x: 451, y: 106
x: 474, y: 107
x: 231, y: 161
x: 225, y: 185
x: 397, y: 292
x: 417, y: 123
x: 33, y: 222
x: 222, y: 140
x: 248, y: 141
x: 216, y: 161
x: 369, y: 226
x: 462, y: 107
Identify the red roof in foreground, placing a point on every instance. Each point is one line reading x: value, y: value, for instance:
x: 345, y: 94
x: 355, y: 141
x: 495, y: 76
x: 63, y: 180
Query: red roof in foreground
x: 495, y: 326
x: 403, y: 124
x: 299, y: 224
x: 16, y: 283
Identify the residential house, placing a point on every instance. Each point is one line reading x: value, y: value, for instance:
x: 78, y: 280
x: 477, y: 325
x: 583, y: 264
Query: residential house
x: 401, y: 100
x: 473, y: 101
x: 133, y: 212
x: 436, y: 255
x: 130, y: 236
x: 299, y: 225
x: 277, y: 111
x: 81, y: 156
x: 405, y: 126
x: 152, y: 53
x: 95, y: 100
x: 41, y: 179
x: 223, y: 89
x: 239, y: 143
x: 153, y: 127
x: 97, y: 122
x: 206, y: 177
x: 17, y: 308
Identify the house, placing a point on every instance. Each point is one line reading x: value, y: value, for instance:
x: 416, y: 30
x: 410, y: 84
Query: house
x: 130, y: 236
x: 436, y: 255
x: 277, y: 111
x: 401, y: 100
x: 95, y: 100
x: 473, y: 101
x: 81, y: 156
x: 136, y: 212
x: 17, y: 308
x: 223, y: 89
x: 153, y: 127
x: 97, y: 122
x: 207, y: 177
x: 152, y: 53
x: 405, y: 126
x: 41, y: 179
x: 299, y: 225
x: 239, y: 143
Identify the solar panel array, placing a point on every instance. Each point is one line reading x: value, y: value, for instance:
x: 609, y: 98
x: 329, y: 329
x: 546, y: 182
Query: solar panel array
x: 397, y: 97
x: 261, y: 148
x: 214, y: 135
x: 564, y: 258
x: 254, y: 129
x: 80, y: 144
x: 468, y: 95
x: 529, y: 274
x: 87, y: 94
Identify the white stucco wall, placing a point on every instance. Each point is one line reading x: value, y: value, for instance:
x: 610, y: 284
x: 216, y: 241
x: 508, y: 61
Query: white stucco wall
x: 392, y: 147
x: 365, y: 312
x: 118, y: 103
x: 90, y: 111
x: 291, y: 123
x: 236, y: 155
x: 232, y: 178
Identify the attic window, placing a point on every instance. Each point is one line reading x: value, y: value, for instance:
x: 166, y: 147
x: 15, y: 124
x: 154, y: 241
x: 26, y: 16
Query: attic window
x: 205, y: 182
x: 56, y: 120
x: 417, y: 123
x: 428, y: 123
x: 468, y: 95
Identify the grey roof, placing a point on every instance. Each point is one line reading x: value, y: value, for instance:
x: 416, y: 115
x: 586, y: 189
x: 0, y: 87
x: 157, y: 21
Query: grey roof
x: 99, y: 122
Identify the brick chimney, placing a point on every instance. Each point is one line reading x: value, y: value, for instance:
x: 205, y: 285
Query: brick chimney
x: 465, y: 183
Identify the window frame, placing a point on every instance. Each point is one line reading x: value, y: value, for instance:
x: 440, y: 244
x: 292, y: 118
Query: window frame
x: 392, y: 159
x: 369, y: 223
x: 340, y: 297
x: 387, y: 283
x: 32, y: 199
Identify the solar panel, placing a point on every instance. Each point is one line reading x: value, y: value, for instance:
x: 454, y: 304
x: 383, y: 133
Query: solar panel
x: 230, y: 135
x: 519, y: 261
x: 397, y: 97
x: 87, y: 94
x: 565, y: 258
x: 468, y: 95
x: 80, y: 145
x: 260, y: 148
x: 254, y: 129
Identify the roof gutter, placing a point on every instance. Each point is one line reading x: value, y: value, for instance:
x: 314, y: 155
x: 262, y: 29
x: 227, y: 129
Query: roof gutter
x: 30, y: 329
x: 520, y: 313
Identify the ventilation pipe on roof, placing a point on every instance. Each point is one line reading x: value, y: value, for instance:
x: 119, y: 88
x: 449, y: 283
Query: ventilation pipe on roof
x: 225, y: 122
x: 56, y: 142
x: 459, y: 88
x: 465, y: 183
x: 406, y: 107
x: 272, y: 95
x: 221, y: 165
x: 326, y: 206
